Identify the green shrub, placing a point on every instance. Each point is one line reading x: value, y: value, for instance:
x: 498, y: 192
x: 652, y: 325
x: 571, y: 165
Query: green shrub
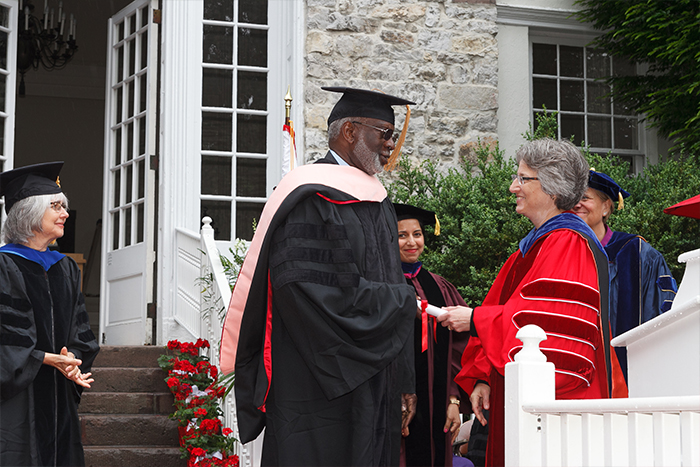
x: 480, y: 228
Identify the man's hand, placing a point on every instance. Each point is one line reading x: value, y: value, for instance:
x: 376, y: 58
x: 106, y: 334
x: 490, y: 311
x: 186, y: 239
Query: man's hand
x: 457, y: 318
x: 408, y: 411
x: 480, y: 401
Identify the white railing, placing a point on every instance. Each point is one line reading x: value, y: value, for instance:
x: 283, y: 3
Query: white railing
x: 541, y: 431
x: 187, y: 269
x: 214, y: 299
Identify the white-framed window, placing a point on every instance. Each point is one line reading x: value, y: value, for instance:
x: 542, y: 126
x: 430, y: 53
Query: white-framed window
x: 235, y: 115
x: 569, y: 78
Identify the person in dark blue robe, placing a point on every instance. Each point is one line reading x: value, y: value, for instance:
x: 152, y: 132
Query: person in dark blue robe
x: 641, y: 284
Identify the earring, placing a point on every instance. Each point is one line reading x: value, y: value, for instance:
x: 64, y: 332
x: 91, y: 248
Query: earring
x: 605, y: 213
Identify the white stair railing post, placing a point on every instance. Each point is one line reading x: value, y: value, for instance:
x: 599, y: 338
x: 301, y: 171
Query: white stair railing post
x: 529, y: 379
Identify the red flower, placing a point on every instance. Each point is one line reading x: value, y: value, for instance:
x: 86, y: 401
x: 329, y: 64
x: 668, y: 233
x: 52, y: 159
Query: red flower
x: 199, y: 452
x: 200, y: 412
x: 173, y: 345
x: 210, y: 424
x: 173, y: 382
x: 226, y: 431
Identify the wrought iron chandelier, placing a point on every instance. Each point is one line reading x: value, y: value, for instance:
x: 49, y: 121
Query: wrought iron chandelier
x: 45, y: 40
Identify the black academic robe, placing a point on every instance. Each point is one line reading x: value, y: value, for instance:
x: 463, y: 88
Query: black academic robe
x: 40, y: 311
x: 436, y: 367
x: 324, y: 349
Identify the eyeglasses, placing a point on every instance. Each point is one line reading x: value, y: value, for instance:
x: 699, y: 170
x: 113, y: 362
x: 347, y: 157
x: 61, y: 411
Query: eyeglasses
x: 58, y: 205
x: 387, y: 133
x: 521, y: 179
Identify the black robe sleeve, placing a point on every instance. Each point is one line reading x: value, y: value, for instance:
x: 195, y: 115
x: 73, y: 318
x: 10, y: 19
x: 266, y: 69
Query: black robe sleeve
x: 19, y: 359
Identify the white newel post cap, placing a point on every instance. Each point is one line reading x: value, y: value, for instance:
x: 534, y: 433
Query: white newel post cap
x: 531, y: 335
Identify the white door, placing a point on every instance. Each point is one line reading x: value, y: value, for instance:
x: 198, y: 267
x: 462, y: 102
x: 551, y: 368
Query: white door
x: 129, y: 176
x: 8, y: 91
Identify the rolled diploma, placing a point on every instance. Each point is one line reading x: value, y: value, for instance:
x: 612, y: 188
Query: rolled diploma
x: 432, y: 309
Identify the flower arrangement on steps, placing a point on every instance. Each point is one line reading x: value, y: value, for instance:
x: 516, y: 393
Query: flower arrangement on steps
x: 198, y: 395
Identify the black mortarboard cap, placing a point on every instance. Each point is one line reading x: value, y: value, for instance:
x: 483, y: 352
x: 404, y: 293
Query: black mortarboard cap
x: 364, y: 103
x: 604, y: 183
x: 425, y: 217
x: 30, y: 180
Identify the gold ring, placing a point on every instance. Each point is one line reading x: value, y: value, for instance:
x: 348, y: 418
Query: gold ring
x: 449, y: 328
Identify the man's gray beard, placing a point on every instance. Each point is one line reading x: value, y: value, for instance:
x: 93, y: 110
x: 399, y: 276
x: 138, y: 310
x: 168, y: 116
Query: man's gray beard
x: 368, y: 160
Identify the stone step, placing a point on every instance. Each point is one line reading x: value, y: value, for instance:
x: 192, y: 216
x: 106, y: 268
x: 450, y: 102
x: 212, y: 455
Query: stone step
x: 130, y: 356
x: 128, y: 430
x: 126, y: 403
x: 129, y: 380
x: 133, y: 456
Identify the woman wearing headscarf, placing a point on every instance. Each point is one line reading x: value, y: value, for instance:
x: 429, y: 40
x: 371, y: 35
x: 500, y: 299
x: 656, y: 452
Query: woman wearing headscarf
x: 557, y: 279
x: 428, y: 438
x: 641, y: 284
x: 47, y: 345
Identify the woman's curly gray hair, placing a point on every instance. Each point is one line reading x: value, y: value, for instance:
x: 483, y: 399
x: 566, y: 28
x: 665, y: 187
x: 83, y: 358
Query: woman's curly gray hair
x: 561, y: 169
x: 26, y: 215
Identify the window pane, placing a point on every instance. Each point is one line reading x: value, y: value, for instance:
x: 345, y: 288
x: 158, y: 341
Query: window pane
x: 220, y: 213
x: 139, y: 223
x: 544, y: 92
x: 221, y: 10
x: 129, y: 141
x: 216, y: 175
x: 218, y: 45
x: 572, y: 128
x: 141, y: 176
x: 626, y: 133
x: 4, y: 16
x: 251, y: 135
x: 217, y: 131
x: 115, y: 230
x: 597, y: 64
x: 572, y: 95
x: 252, y: 11
x: 620, y: 108
x: 143, y: 87
x: 127, y: 227
x: 132, y: 57
x: 252, y: 90
x: 141, y: 122
x: 251, y: 177
x: 3, y: 50
x: 246, y: 215
x: 119, y: 104
x: 599, y: 134
x: 571, y: 61
x: 623, y: 67
x: 117, y: 188
x: 130, y: 98
x: 120, y: 64
x: 3, y: 78
x: 544, y: 59
x: 129, y: 182
x: 598, y: 98
x: 217, y: 88
x: 144, y: 16
x: 117, y: 146
x: 144, y: 49
x: 252, y: 47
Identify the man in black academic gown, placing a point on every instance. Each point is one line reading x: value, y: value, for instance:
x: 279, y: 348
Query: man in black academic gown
x: 321, y: 320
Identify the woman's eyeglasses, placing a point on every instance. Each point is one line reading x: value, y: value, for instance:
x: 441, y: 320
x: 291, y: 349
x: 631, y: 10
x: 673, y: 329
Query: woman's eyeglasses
x: 387, y: 133
x: 58, y: 205
x: 521, y: 180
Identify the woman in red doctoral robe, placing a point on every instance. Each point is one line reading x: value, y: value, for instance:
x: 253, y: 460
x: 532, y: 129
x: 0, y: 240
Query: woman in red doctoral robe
x: 557, y: 280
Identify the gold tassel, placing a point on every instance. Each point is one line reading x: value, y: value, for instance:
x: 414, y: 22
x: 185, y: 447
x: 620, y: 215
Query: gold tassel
x: 620, y: 201
x: 394, y: 158
x: 58, y: 182
x: 437, y: 226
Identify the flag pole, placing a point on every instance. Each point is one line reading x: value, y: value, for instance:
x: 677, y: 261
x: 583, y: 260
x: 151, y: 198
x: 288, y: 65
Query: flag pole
x: 287, y: 105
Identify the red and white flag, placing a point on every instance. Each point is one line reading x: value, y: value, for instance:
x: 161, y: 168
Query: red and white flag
x: 289, y: 161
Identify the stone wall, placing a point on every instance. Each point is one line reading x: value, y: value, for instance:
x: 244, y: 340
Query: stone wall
x: 441, y: 54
